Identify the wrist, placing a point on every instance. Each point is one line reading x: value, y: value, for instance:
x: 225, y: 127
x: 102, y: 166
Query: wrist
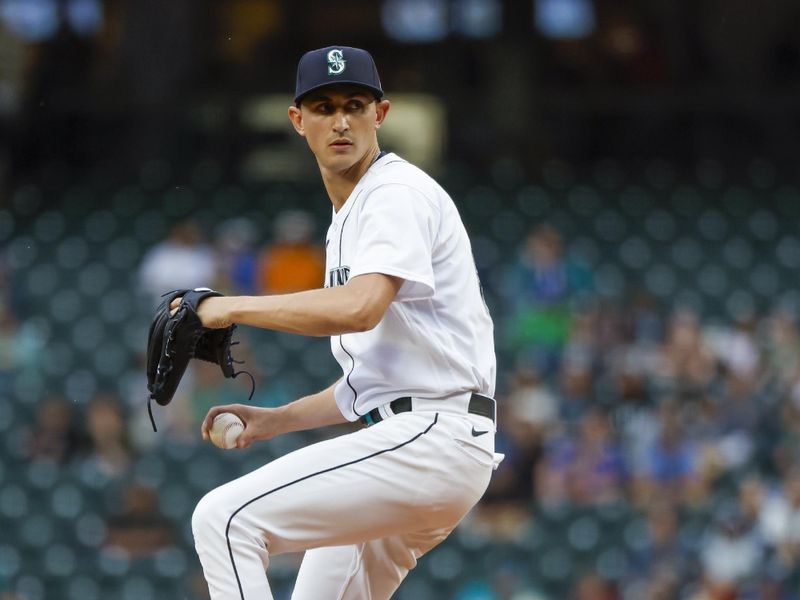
x: 278, y: 420
x: 247, y: 310
x: 233, y: 308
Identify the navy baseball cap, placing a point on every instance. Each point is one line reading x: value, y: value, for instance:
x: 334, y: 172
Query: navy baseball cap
x: 336, y: 64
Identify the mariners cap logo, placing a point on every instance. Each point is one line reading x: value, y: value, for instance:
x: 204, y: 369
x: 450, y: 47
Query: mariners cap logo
x: 336, y: 62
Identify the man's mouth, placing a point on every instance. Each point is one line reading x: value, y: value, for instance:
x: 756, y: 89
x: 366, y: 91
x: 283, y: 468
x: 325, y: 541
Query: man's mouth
x: 340, y: 143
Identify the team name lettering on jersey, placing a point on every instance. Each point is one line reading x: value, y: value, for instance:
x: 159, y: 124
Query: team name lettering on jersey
x: 338, y: 276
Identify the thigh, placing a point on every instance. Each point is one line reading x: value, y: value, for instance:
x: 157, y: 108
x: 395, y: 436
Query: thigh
x: 324, y: 571
x: 402, y: 475
x: 371, y: 570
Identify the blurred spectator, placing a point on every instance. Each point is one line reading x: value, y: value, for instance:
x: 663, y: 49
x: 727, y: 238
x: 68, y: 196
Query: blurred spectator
x: 139, y: 529
x: 531, y: 403
x: 183, y: 260
x: 731, y: 552
x: 528, y: 415
x: 594, y: 587
x: 736, y: 348
x: 20, y: 346
x: 782, y: 347
x: 577, y: 369
x: 584, y: 470
x: 540, y: 291
x: 109, y: 449
x: 664, y: 556
x: 236, y: 257
x: 54, y: 435
x: 687, y: 365
x: 737, y: 420
x: 780, y: 521
x: 292, y: 262
x: 670, y: 467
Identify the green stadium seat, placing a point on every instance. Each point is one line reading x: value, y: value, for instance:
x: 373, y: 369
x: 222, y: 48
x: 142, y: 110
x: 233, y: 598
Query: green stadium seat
x: 30, y: 587
x: 49, y: 226
x: 635, y: 534
x: 10, y: 559
x: 83, y: 587
x: 583, y: 533
x: 445, y: 564
x: 554, y: 564
x: 101, y: 226
x: 611, y: 563
x: 151, y: 226
x: 71, y: 253
x: 66, y: 501
x: 14, y: 501
x: 171, y: 563
x: 534, y: 201
x: 42, y: 475
x: 137, y: 587
x: 90, y: 529
x: 93, y: 279
x: 36, y: 531
x: 635, y: 253
x: 43, y: 279
x: 151, y: 470
x: 60, y: 560
x: 124, y: 253
x: 763, y: 225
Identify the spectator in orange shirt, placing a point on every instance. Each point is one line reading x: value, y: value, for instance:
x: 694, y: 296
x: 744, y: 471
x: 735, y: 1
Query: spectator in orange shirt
x: 292, y: 262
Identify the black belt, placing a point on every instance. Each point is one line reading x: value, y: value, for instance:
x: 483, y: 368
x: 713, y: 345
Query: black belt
x: 478, y: 405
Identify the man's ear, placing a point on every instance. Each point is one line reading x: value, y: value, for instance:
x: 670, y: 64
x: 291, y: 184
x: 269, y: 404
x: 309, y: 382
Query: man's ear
x: 296, y: 117
x: 381, y: 109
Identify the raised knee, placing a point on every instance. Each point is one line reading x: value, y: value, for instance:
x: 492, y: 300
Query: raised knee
x: 210, y: 518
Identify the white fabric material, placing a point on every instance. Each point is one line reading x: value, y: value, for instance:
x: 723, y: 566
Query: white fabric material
x: 365, y: 506
x: 436, y: 339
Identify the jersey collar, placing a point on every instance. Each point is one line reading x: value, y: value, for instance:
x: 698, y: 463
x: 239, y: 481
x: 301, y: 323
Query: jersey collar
x: 348, y: 204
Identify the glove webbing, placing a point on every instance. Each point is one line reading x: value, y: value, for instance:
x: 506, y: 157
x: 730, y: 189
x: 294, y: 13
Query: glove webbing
x: 160, y: 373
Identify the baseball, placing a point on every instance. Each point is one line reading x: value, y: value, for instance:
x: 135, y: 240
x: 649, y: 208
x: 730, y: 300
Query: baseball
x: 225, y: 430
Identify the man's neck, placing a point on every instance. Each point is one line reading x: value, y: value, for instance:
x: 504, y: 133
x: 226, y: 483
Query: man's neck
x: 340, y: 184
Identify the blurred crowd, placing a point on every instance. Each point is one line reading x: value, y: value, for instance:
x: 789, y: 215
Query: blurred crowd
x: 691, y: 425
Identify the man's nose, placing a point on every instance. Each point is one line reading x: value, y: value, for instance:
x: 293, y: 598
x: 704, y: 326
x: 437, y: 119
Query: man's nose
x: 340, y: 122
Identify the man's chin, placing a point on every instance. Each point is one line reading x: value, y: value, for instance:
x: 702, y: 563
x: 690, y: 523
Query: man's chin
x: 340, y: 161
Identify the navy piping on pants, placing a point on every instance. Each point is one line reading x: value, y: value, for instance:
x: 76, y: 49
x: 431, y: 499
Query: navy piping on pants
x: 285, y: 485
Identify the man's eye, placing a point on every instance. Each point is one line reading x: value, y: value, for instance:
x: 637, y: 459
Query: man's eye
x: 355, y: 106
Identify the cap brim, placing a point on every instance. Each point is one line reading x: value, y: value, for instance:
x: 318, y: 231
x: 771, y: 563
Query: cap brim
x: 377, y: 91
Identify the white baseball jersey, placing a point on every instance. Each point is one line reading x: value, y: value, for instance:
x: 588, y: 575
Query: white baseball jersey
x: 363, y: 533
x: 436, y: 339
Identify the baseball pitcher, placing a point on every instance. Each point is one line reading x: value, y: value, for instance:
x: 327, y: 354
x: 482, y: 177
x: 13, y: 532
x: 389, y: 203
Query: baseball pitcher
x: 402, y: 305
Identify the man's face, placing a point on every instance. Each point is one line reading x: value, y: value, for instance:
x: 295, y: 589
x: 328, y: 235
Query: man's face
x: 339, y: 124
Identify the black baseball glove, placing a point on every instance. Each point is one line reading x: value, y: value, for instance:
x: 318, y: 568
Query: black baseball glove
x: 176, y: 338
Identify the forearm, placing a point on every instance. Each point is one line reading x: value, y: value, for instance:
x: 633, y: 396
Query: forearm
x: 357, y: 306
x: 309, y: 412
x: 320, y: 312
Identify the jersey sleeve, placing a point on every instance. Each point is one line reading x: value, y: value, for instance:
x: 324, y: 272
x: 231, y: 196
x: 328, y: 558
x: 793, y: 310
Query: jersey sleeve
x: 396, y: 230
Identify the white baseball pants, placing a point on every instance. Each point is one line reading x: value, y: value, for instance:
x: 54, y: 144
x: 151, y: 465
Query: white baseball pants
x: 364, y: 506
